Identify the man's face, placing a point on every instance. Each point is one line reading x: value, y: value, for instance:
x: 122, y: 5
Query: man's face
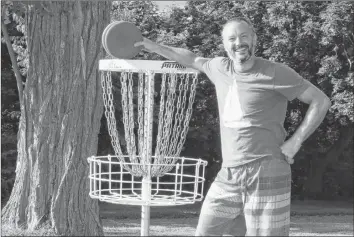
x: 239, y: 41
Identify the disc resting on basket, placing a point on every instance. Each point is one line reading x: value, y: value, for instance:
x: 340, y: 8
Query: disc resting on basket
x: 118, y: 39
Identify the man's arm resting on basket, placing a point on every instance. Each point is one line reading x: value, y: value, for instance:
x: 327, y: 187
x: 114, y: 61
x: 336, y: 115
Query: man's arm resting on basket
x: 182, y: 56
x: 319, y: 104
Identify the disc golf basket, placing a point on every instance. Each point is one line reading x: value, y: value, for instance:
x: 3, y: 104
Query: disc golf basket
x: 147, y: 169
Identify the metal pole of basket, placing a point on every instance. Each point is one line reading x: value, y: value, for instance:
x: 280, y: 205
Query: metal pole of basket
x: 146, y: 183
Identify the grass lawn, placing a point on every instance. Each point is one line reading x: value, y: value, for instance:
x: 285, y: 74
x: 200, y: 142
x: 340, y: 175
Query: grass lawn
x: 300, y: 226
x: 311, y: 218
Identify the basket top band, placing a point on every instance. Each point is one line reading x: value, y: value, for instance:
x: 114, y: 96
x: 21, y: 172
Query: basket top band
x: 121, y: 65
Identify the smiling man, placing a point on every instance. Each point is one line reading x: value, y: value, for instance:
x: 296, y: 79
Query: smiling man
x: 251, y: 193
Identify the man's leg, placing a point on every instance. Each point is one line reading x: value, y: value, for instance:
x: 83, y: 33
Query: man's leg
x: 267, y: 206
x: 237, y: 228
x: 222, y: 205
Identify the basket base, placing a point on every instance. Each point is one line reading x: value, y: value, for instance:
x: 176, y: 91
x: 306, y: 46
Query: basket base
x: 157, y: 200
x: 110, y: 182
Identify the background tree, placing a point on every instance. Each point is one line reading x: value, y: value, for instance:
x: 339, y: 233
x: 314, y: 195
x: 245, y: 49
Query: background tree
x: 336, y: 75
x: 60, y: 119
x: 304, y: 37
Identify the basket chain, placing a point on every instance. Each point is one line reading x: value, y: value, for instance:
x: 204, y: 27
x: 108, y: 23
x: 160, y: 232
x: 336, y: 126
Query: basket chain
x: 172, y: 127
x: 106, y: 82
x: 141, y: 114
x: 179, y: 113
x: 166, y: 120
x: 188, y: 112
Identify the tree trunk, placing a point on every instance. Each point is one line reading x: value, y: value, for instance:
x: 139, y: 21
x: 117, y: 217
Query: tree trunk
x: 314, y: 184
x: 60, y: 119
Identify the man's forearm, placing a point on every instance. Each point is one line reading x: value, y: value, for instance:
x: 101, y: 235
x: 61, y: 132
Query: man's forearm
x: 313, y: 118
x: 182, y: 56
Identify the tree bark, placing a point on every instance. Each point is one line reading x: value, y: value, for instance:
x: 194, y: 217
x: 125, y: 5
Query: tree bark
x: 60, y: 119
x: 314, y: 184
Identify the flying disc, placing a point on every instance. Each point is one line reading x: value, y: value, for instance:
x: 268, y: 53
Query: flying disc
x: 104, y: 34
x: 118, y: 39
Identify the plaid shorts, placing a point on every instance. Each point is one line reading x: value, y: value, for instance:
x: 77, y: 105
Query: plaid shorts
x: 251, y: 200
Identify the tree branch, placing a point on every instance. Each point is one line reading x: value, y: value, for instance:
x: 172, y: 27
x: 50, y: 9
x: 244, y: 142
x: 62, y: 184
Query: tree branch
x: 13, y: 61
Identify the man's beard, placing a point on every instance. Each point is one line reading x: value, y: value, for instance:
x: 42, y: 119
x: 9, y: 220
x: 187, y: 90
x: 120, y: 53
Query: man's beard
x: 242, y: 59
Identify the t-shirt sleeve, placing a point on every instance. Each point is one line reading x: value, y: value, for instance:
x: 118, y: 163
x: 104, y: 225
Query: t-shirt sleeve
x: 212, y: 68
x: 288, y: 82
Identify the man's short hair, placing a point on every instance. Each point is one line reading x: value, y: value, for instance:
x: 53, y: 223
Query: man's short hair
x: 240, y: 19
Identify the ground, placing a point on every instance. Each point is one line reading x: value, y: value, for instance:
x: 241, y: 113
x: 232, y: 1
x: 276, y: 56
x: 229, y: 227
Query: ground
x: 308, y: 218
x: 300, y: 226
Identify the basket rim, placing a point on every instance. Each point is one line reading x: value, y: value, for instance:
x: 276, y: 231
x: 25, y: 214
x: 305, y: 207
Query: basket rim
x: 121, y: 65
x: 181, y: 158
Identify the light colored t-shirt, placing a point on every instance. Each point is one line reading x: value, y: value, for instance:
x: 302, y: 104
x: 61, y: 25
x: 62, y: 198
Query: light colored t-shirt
x: 252, y: 107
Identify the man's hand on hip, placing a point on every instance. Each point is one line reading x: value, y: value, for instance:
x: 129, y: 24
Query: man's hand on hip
x: 289, y: 148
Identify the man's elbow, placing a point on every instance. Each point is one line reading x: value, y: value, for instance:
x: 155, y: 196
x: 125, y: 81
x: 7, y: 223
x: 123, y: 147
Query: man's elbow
x: 326, y: 103
x: 322, y: 103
